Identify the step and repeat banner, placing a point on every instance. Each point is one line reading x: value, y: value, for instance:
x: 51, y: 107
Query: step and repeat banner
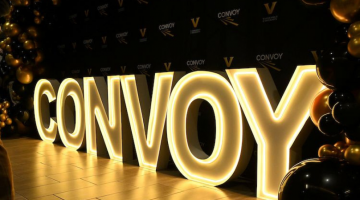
x: 119, y: 37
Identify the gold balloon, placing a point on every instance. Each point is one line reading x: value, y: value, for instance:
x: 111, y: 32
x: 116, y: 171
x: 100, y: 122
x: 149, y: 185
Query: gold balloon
x: 352, y: 154
x: 6, y: 28
x: 350, y: 142
x: 36, y: 13
x: 9, y: 59
x: 7, y: 40
x: 23, y: 37
x: 6, y: 104
x: 32, y: 32
x: 8, y: 121
x: 2, y: 44
x: 24, y: 75
x: 345, y: 11
x: 29, y: 44
x: 354, y: 30
x: 37, y: 20
x: 319, y: 107
x: 2, y: 124
x: 4, y: 111
x: 40, y: 57
x: 15, y: 62
x: 1, y: 106
x: 14, y: 30
x: 354, y: 46
x: 56, y: 2
x: 24, y: 2
x: 25, y: 116
x: 342, y: 146
x: 328, y: 150
x: 2, y: 117
x: 8, y: 48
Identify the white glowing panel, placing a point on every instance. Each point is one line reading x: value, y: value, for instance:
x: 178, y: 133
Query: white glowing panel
x: 105, y: 107
x: 275, y: 132
x: 45, y: 93
x: 70, y: 104
x: 223, y: 164
x: 150, y: 143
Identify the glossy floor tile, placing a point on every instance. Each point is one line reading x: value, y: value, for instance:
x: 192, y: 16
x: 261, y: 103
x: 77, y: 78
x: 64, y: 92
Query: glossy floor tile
x: 44, y: 171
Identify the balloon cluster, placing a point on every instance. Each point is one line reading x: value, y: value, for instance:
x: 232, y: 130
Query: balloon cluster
x: 336, y: 110
x: 5, y: 121
x: 21, y: 54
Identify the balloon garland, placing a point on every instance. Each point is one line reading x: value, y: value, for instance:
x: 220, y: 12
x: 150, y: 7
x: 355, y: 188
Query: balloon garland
x: 335, y: 111
x: 20, y: 58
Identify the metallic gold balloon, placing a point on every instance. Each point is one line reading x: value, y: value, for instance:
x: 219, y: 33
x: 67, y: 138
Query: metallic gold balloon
x: 36, y: 13
x: 6, y: 104
x: 32, y: 32
x: 29, y: 44
x: 319, y: 107
x: 14, y: 30
x: 9, y: 59
x: 8, y: 121
x: 350, y: 142
x: 56, y: 2
x: 1, y: 106
x: 7, y: 40
x: 40, y: 57
x: 354, y: 30
x: 354, y: 46
x: 2, y: 44
x: 352, y: 154
x: 26, y: 116
x: 24, y: 2
x: 15, y: 62
x: 2, y: 124
x: 23, y: 37
x: 328, y: 150
x: 37, y: 20
x: 2, y: 117
x: 24, y: 75
x: 4, y: 111
x: 6, y: 28
x: 8, y: 48
x: 345, y: 11
x: 341, y: 146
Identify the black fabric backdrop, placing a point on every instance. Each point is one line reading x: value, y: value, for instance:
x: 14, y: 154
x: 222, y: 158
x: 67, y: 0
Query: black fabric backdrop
x: 116, y: 37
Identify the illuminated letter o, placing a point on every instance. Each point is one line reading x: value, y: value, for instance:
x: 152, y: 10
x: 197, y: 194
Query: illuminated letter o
x: 186, y: 152
x: 71, y: 131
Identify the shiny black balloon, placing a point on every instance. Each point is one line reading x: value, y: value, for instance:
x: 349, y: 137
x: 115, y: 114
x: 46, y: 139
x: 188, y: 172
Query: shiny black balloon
x: 328, y: 126
x: 346, y: 114
x: 336, y: 68
x: 314, y: 2
x: 321, y: 179
x: 353, y: 132
x: 342, y: 96
x: 17, y: 49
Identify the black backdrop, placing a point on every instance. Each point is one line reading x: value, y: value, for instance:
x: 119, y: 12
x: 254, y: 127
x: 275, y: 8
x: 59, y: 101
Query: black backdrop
x: 116, y: 37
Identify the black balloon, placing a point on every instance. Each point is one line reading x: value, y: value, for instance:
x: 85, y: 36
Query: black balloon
x: 17, y: 49
x: 346, y: 114
x: 336, y: 68
x: 340, y: 96
x: 328, y: 126
x: 353, y: 132
x: 316, y: 179
x: 341, y: 34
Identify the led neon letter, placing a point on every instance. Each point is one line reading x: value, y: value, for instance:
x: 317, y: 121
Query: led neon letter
x: 151, y: 148
x: 223, y: 164
x: 275, y: 132
x: 71, y: 131
x: 106, y: 108
x: 45, y: 93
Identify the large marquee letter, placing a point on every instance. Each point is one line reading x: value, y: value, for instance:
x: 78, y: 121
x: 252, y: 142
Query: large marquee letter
x: 275, y: 132
x: 231, y: 144
x: 45, y: 93
x: 106, y: 109
x: 71, y: 130
x: 150, y: 143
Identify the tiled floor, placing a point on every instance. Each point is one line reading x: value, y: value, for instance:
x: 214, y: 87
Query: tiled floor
x: 52, y: 172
